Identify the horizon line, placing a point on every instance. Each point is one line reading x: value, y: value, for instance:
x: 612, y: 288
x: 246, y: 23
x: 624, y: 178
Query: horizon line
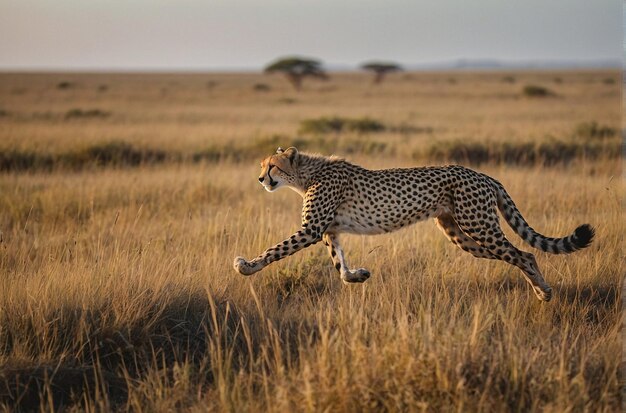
x: 459, y: 64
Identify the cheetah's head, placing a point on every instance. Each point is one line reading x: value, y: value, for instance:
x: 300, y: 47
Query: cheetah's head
x: 279, y: 169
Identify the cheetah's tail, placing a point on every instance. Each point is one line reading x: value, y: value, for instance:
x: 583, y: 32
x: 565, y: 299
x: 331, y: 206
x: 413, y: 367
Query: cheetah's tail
x: 581, y: 238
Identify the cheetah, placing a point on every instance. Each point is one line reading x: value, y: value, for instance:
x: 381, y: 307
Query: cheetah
x: 340, y: 197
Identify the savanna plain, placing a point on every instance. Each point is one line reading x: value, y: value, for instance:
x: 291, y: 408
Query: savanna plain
x: 125, y: 197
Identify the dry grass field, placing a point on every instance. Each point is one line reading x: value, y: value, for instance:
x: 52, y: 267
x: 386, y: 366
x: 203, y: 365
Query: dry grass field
x: 125, y: 197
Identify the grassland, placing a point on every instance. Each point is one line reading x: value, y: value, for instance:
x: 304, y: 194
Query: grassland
x: 125, y: 197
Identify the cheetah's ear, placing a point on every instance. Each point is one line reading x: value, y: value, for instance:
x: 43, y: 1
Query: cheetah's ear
x: 292, y: 154
x: 280, y: 150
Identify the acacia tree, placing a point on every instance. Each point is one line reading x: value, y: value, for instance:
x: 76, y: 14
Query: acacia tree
x: 380, y: 69
x: 296, y: 69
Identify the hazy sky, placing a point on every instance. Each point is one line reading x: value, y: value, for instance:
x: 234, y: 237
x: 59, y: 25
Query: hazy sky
x: 196, y: 35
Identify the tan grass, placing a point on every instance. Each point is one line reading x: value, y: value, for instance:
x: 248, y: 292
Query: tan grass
x: 117, y: 291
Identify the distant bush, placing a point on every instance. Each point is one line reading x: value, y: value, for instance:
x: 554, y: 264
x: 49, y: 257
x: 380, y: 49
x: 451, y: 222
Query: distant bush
x: 261, y: 87
x: 593, y: 130
x: 457, y: 151
x: 536, y: 91
x: 609, y: 81
x: 16, y: 160
x: 338, y: 124
x: 323, y: 125
x: 364, y: 125
x: 406, y: 129
x: 4, y: 113
x: 508, y: 79
x: 287, y: 101
x: 65, y: 85
x: 103, y: 88
x: 213, y: 153
x: 558, y: 80
x: 367, y: 147
x: 89, y: 113
x: 116, y: 154
x: 547, y: 153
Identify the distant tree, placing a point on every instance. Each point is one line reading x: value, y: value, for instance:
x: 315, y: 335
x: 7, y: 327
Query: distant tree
x: 380, y: 69
x: 296, y: 69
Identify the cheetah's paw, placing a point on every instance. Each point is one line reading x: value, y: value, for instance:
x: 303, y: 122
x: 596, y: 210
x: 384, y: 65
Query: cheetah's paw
x: 356, y: 276
x: 543, y: 295
x: 243, y: 267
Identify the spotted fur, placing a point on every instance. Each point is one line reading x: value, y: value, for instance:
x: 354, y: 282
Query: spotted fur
x: 340, y: 197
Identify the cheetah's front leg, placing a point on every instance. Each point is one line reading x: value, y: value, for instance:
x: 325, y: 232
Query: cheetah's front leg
x: 360, y: 275
x: 291, y: 245
x: 317, y: 213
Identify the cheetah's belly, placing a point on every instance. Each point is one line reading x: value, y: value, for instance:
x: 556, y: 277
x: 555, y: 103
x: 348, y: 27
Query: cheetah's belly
x: 371, y: 221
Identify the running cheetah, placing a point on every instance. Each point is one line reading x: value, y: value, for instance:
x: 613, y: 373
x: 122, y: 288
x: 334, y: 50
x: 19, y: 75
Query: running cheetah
x: 340, y: 197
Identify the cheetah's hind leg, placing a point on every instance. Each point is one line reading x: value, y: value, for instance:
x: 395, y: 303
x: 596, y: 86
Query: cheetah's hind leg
x: 491, y: 238
x: 447, y: 224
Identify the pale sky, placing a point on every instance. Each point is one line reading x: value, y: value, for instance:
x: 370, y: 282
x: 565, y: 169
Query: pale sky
x: 223, y: 34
